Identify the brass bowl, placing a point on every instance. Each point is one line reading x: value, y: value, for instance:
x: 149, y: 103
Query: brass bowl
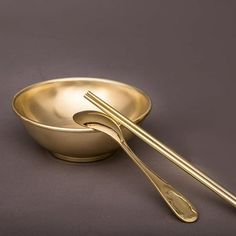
x: 47, y: 110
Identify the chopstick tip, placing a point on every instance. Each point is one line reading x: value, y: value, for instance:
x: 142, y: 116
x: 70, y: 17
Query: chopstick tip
x: 87, y: 93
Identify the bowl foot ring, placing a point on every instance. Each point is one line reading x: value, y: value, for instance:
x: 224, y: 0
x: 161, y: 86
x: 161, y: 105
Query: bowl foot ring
x: 82, y: 159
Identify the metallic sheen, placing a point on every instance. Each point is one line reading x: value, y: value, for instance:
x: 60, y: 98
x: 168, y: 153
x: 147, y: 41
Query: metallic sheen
x: 47, y: 110
x: 181, y: 206
x: 160, y: 147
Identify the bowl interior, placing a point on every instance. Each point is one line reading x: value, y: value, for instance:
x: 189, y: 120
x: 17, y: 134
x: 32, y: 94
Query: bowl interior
x: 54, y: 103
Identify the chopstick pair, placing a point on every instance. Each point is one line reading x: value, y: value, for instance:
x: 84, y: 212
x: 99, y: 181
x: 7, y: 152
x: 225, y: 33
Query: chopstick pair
x: 162, y: 148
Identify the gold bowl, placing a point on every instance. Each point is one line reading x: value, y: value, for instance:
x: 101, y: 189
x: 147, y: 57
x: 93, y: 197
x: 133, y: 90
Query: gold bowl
x: 47, y: 110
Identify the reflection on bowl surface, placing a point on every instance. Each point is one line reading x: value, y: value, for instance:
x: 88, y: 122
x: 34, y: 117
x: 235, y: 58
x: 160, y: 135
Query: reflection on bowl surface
x: 47, y: 110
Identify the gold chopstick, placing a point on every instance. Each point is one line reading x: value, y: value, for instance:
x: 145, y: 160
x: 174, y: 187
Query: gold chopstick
x: 163, y: 149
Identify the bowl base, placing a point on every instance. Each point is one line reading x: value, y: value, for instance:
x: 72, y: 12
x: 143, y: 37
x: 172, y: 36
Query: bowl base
x: 82, y: 159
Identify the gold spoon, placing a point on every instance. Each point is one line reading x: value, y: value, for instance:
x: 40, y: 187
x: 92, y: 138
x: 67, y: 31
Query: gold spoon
x: 181, y: 206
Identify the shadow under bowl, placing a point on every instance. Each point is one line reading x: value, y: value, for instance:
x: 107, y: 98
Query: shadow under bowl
x: 47, y: 110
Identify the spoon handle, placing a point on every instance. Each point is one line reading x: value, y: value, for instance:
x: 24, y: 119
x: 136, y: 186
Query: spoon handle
x: 180, y: 205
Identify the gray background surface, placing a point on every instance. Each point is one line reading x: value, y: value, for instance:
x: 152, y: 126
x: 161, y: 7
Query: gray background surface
x: 182, y: 53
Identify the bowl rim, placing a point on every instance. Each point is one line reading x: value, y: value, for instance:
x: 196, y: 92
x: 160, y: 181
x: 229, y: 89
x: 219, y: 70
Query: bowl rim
x: 97, y: 79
